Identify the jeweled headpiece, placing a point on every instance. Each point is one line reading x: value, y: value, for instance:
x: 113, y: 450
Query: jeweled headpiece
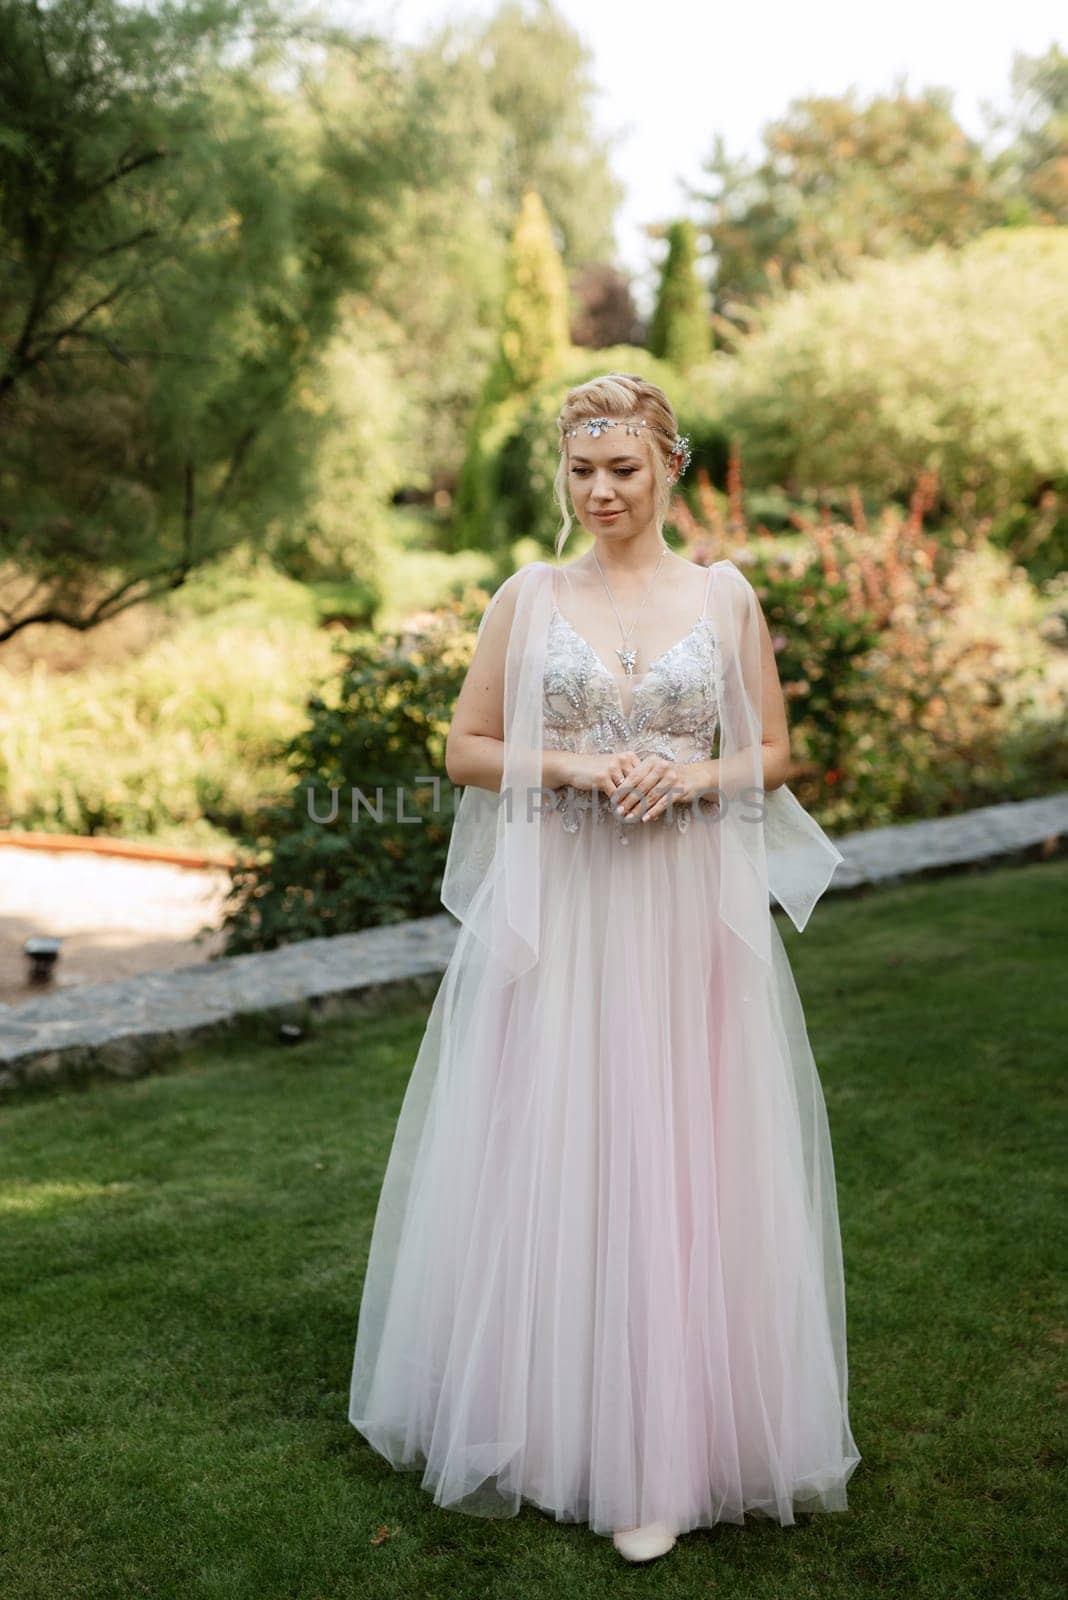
x: 595, y: 426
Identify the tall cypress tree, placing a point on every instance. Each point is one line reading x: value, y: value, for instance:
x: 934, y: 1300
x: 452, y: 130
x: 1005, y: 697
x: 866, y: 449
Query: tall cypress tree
x: 533, y: 343
x: 534, y: 323
x: 680, y: 330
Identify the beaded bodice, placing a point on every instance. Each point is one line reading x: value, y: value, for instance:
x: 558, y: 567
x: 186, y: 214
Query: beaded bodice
x: 668, y: 710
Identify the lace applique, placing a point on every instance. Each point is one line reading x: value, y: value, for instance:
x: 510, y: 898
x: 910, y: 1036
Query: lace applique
x: 673, y: 715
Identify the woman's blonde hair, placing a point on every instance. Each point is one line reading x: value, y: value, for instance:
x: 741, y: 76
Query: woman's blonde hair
x: 619, y: 394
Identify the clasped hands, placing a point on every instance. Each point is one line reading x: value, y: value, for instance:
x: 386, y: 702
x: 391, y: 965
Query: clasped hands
x: 641, y: 787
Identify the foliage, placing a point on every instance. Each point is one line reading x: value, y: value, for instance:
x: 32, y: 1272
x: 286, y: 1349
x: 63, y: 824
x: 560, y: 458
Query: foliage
x: 679, y: 330
x: 951, y: 362
x: 534, y: 315
x: 179, y: 742
x: 419, y: 581
x: 339, y: 532
x: 167, y: 723
x: 477, y: 509
x: 536, y: 71
x: 923, y: 675
x: 839, y: 180
x: 368, y: 753
x: 602, y: 307
x: 533, y: 343
x: 1030, y: 168
x: 176, y: 235
x: 506, y: 102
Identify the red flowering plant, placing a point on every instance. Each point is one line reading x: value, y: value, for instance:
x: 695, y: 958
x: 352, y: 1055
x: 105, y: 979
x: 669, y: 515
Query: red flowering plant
x: 921, y: 671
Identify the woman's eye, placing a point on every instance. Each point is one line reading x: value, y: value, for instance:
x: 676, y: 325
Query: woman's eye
x: 624, y: 472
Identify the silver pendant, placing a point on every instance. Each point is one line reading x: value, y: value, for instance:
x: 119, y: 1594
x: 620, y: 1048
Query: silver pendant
x: 629, y: 659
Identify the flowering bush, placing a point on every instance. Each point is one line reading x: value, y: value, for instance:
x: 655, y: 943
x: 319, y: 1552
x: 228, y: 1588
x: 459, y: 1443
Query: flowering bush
x: 922, y: 674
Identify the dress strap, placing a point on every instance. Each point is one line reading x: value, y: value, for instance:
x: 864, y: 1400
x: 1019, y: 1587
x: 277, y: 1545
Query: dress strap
x: 708, y: 590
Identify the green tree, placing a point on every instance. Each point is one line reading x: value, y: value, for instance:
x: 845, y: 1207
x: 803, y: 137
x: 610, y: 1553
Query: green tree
x: 679, y: 331
x: 175, y: 241
x: 839, y: 180
x: 539, y: 79
x: 534, y: 336
x: 1032, y: 169
x: 533, y: 344
x: 506, y: 104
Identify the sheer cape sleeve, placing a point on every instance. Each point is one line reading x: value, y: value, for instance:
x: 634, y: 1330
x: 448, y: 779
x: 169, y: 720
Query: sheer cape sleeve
x: 770, y: 846
x: 769, y: 843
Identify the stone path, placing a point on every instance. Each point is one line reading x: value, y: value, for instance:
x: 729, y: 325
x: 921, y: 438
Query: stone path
x: 127, y: 1027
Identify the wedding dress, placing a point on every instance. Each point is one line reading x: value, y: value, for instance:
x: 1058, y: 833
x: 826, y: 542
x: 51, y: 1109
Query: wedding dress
x: 605, y: 1275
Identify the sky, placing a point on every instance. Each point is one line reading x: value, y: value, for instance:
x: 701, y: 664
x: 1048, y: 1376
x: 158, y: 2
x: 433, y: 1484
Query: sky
x: 670, y: 77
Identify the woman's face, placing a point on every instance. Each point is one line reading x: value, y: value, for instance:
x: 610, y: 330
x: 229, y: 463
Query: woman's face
x: 611, y: 482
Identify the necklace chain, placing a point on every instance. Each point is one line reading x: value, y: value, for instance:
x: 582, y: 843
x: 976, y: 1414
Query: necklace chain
x: 629, y: 656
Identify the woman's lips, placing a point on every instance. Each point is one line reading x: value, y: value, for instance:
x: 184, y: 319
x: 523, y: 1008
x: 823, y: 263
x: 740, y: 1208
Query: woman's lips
x: 606, y: 516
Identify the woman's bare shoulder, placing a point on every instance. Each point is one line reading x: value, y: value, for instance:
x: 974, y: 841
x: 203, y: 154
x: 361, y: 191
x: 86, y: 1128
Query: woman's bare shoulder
x: 502, y: 602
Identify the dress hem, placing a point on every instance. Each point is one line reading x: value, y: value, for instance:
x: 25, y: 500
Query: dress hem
x: 803, y: 1502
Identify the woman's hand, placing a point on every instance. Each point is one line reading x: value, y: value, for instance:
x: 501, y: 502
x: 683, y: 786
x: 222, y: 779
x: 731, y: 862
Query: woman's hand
x: 652, y: 783
x: 603, y: 773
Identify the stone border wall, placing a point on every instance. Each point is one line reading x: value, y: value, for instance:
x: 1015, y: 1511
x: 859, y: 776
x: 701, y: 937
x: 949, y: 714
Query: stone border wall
x: 131, y: 1027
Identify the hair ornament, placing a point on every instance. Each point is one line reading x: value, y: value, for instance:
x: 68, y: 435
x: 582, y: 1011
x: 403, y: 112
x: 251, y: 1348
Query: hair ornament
x: 681, y: 447
x: 595, y: 426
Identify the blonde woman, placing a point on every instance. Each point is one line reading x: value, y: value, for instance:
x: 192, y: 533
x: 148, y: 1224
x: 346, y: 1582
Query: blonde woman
x: 605, y: 1276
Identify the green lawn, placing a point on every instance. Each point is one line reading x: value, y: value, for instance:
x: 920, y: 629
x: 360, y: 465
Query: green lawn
x: 182, y: 1258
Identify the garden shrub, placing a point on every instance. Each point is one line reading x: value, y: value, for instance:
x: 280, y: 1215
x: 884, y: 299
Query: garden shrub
x: 923, y: 674
x: 954, y: 361
x: 383, y: 726
x: 177, y: 743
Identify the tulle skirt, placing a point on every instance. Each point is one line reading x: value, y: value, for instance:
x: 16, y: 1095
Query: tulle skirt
x: 605, y: 1275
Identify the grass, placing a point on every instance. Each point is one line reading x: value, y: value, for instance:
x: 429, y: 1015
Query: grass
x: 182, y: 1258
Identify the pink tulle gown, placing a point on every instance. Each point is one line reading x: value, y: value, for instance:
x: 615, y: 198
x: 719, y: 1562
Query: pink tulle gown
x: 605, y: 1275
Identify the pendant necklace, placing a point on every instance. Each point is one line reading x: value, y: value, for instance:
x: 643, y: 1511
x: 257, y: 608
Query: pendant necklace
x: 629, y: 656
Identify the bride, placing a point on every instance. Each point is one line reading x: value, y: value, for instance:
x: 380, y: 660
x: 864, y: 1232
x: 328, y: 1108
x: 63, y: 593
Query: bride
x: 605, y: 1275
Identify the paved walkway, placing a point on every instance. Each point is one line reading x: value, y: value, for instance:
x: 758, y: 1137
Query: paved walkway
x: 116, y: 917
x: 125, y: 1027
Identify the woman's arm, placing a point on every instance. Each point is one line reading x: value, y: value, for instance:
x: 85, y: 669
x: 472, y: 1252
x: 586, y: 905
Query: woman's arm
x: 474, y: 749
x: 479, y: 759
x: 775, y: 729
x: 774, y: 735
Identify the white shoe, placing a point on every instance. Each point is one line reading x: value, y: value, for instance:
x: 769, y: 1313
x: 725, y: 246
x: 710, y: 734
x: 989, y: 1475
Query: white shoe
x: 642, y: 1544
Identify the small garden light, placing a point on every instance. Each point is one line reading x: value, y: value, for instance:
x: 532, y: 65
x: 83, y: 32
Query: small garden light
x: 43, y: 951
